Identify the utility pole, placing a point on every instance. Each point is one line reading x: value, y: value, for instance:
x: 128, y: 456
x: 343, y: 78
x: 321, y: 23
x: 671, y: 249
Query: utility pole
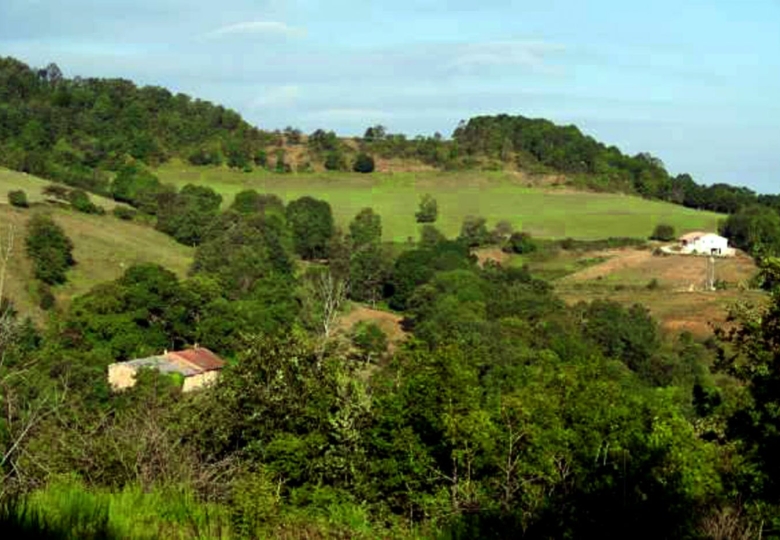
x: 711, y: 273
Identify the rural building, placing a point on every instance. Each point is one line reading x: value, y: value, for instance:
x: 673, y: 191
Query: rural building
x: 701, y: 243
x: 199, y: 367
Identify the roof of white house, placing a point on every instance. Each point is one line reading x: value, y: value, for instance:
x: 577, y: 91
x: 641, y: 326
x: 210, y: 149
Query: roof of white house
x: 693, y: 236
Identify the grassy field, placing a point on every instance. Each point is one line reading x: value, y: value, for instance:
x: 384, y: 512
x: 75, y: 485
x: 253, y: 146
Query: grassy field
x: 104, y: 247
x: 32, y: 186
x: 544, y: 212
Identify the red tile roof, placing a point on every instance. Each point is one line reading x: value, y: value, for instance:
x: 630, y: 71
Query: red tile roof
x: 199, y: 358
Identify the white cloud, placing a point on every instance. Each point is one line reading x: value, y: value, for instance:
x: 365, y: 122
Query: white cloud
x: 529, y: 54
x: 268, y: 28
x: 278, y: 96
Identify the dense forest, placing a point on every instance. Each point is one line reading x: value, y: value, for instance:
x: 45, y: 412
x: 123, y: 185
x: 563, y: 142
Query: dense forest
x: 500, y: 412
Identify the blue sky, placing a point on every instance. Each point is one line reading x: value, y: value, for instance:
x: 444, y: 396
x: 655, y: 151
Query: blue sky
x: 695, y: 82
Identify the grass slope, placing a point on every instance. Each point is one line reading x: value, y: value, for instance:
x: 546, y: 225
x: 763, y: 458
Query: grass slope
x: 33, y: 186
x: 104, y: 246
x: 544, y: 212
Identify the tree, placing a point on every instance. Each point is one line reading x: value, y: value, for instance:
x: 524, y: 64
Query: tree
x: 365, y: 229
x: 79, y: 201
x: 520, y: 243
x: 369, y: 340
x: 367, y: 261
x: 189, y: 214
x: 311, y: 223
x: 250, y: 202
x: 663, y: 232
x: 428, y: 211
x: 335, y: 161
x: 430, y: 236
x: 474, y: 231
x: 49, y: 248
x: 18, y: 198
x: 755, y: 229
x: 364, y: 163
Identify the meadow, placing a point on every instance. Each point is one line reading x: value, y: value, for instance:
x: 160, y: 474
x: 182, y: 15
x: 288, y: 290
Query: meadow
x: 549, y: 212
x: 104, y: 246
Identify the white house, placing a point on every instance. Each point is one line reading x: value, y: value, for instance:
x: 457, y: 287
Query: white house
x: 701, y: 243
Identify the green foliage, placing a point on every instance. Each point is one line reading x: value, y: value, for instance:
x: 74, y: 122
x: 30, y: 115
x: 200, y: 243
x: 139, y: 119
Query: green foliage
x: 430, y: 236
x: 18, y: 198
x: 242, y: 250
x: 80, y: 201
x: 755, y: 229
x: 369, y: 340
x: 521, y: 243
x: 250, y: 202
x: 188, y: 215
x: 335, y: 161
x: 50, y: 250
x: 368, y: 261
x: 474, y: 232
x: 311, y: 223
x: 74, y: 130
x: 663, y: 232
x: 428, y: 210
x: 124, y: 213
x: 364, y: 163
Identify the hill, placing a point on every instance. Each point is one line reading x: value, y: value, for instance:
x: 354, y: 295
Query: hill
x: 104, y: 246
x: 553, y: 212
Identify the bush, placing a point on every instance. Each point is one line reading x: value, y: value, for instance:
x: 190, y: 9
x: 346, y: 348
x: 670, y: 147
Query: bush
x: 474, y: 232
x: 653, y: 285
x: 520, y: 243
x: 46, y: 299
x: 18, y: 198
x: 80, y: 202
x: 50, y: 249
x: 369, y: 339
x: 364, y: 163
x: 334, y: 161
x: 663, y: 233
x: 428, y: 210
x: 124, y: 213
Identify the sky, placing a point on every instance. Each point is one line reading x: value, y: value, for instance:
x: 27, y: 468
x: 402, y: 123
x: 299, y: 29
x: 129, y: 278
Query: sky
x: 694, y: 82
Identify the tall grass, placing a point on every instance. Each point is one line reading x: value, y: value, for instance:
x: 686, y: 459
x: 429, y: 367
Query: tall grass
x: 67, y: 510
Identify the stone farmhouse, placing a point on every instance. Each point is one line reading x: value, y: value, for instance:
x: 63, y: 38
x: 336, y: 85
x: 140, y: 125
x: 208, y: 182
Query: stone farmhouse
x: 199, y: 366
x: 701, y: 243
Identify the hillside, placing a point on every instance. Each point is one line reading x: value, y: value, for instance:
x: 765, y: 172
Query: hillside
x: 104, y: 246
x: 553, y: 212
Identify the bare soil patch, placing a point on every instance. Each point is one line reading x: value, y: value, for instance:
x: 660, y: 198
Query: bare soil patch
x: 491, y: 254
x: 389, y: 323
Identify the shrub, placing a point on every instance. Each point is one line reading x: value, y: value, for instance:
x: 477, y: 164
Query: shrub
x: 653, y: 285
x: 369, y: 339
x: 46, y: 300
x: 334, y: 161
x: 474, y: 232
x: 364, y: 163
x: 50, y: 250
x: 125, y: 213
x: 428, y: 210
x: 80, y: 201
x: 520, y: 242
x: 663, y: 232
x: 18, y: 198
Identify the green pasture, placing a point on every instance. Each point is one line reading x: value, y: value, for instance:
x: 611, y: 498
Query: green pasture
x: 104, y: 247
x: 544, y: 212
